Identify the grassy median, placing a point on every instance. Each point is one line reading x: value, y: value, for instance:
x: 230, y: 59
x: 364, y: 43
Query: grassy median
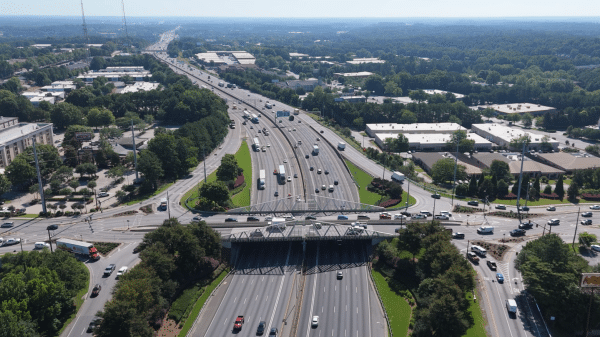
x: 245, y: 162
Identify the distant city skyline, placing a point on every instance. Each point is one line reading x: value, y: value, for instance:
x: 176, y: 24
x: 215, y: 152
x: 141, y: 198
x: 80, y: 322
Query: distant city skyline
x: 309, y: 8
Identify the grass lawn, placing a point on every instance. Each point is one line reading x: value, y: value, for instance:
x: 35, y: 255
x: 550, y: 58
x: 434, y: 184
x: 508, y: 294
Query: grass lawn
x: 143, y: 197
x: 478, y: 328
x: 200, y: 303
x: 245, y: 162
x: 363, y: 179
x: 78, y: 300
x: 396, y: 307
x: 31, y: 216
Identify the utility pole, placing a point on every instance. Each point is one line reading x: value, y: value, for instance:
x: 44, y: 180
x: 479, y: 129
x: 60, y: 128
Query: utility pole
x: 50, y: 241
x: 137, y: 177
x: 204, y: 160
x: 168, y: 206
x: 407, y: 194
x: 455, y: 167
x: 576, y: 224
x: 41, y: 186
x: 520, y: 181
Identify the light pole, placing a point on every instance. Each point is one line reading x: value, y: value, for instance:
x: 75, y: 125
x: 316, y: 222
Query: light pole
x: 433, y: 215
x: 127, y: 224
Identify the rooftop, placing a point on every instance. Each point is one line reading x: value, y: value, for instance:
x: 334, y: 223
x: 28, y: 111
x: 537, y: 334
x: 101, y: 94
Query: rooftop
x: 23, y: 129
x: 298, y: 55
x: 356, y: 74
x: 439, y: 138
x: 507, y: 133
x: 139, y: 86
x: 443, y: 92
x: 569, y: 162
x: 516, y: 108
x: 365, y: 60
x: 415, y: 128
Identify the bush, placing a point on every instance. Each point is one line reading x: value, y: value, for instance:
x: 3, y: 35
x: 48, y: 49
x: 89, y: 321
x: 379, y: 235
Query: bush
x: 239, y: 181
x: 183, y: 302
x: 59, y: 213
x: 128, y: 188
x: 589, y: 196
x: 105, y: 247
x: 552, y: 196
x: 65, y: 191
x: 390, y: 203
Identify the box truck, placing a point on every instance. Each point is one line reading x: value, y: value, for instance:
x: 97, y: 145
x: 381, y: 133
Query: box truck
x: 341, y: 146
x: 261, y: 180
x: 399, y: 177
x: 78, y: 247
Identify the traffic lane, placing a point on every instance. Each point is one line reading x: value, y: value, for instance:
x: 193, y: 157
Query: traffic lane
x: 122, y: 256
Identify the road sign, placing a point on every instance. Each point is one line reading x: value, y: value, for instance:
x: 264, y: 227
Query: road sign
x: 83, y: 136
x: 283, y: 113
x: 590, y: 280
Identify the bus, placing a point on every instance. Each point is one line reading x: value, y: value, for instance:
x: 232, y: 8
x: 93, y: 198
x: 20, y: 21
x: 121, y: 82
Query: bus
x: 256, y: 144
x: 281, y: 176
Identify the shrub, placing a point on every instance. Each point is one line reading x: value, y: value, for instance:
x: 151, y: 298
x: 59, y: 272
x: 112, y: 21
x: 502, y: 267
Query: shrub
x: 183, y: 302
x: 509, y: 196
x: 59, y: 213
x: 390, y: 203
x: 65, y: 191
x: 589, y: 196
x: 553, y: 196
x: 238, y: 181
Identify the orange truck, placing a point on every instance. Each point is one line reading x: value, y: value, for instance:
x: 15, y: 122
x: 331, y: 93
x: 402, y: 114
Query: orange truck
x: 239, y: 321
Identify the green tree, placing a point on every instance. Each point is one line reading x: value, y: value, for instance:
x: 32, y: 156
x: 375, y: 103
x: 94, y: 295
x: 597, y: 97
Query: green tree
x: 418, y: 95
x: 517, y: 143
x: 501, y: 188
x: 493, y: 77
x: 443, y: 171
x: 164, y: 147
x: 573, y: 191
x: 527, y: 119
x: 560, y: 188
x: 229, y: 169
x: 100, y: 117
x: 87, y: 169
x: 63, y: 174
x: 500, y: 170
x: 216, y: 192
x: 74, y: 184
x: 5, y: 184
x: 19, y: 171
x: 66, y: 114
x: 586, y: 239
x: 150, y: 166
x: 473, y: 186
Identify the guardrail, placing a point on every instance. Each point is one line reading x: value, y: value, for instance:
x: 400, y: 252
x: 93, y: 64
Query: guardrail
x: 387, y: 319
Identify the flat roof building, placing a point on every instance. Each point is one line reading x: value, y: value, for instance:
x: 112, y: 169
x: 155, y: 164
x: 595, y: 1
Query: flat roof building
x: 15, y: 137
x: 531, y: 167
x: 360, y: 74
x: 503, y: 135
x: 139, y: 86
x: 115, y: 76
x: 372, y: 129
x: 568, y: 162
x: 226, y: 57
x: 443, y: 92
x: 432, y: 141
x: 516, y: 108
x: 365, y: 60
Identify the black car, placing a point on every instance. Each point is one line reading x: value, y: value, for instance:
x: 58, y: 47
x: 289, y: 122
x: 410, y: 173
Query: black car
x: 335, y: 182
x: 316, y: 190
x: 52, y: 227
x: 492, y: 265
x: 310, y: 217
x: 526, y: 225
x: 306, y: 156
x: 326, y: 172
x: 457, y: 235
x: 93, y: 324
x: 436, y: 196
x: 312, y: 168
x: 231, y: 220
x: 96, y: 290
x: 517, y: 232
x: 274, y: 331
x: 252, y: 218
x: 363, y: 217
x: 261, y: 328
x: 473, y: 203
x: 586, y: 214
x: 406, y: 214
x: 524, y: 209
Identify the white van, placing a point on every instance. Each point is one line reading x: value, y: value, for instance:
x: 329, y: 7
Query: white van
x: 425, y: 213
x: 41, y: 245
x: 511, y: 306
x: 330, y: 188
x: 485, y: 230
x: 479, y: 250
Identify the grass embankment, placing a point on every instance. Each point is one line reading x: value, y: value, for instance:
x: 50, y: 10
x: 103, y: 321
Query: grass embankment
x: 29, y: 216
x: 396, y: 307
x: 478, y: 328
x: 143, y: 197
x: 363, y: 179
x: 78, y: 300
x: 245, y: 162
x: 200, y: 303
x: 240, y: 199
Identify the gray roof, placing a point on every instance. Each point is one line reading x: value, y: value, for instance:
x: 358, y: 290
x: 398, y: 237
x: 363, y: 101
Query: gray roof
x: 486, y: 159
x: 569, y: 162
x: 427, y: 158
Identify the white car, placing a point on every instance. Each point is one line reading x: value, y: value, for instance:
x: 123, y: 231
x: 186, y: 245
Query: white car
x: 11, y: 241
x: 315, y: 321
x: 269, y: 218
x: 289, y: 178
x: 596, y: 248
x: 41, y: 245
x: 448, y: 214
x: 419, y: 216
x: 399, y: 216
x: 122, y: 271
x: 596, y: 207
x: 103, y: 194
x: 442, y: 217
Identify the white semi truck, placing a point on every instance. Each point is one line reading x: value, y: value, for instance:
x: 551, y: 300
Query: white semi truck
x: 315, y: 149
x: 261, y: 180
x: 78, y: 247
x: 281, y: 176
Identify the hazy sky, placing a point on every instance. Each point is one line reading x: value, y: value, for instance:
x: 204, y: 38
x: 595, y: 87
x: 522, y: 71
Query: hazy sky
x: 307, y: 8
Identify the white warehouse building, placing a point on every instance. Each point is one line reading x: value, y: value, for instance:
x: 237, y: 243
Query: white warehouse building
x: 433, y: 141
x: 502, y: 135
x: 416, y: 128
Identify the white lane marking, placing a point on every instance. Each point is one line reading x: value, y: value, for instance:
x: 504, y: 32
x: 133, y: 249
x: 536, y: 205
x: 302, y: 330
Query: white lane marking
x: 313, y: 294
x: 280, y: 287
x: 505, y: 311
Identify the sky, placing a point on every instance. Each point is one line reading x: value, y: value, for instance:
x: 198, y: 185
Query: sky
x: 308, y: 8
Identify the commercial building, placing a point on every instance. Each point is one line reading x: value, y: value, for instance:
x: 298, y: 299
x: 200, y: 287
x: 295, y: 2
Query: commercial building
x: 365, y: 60
x: 139, y: 86
x: 115, y: 75
x: 568, y: 162
x: 427, y: 159
x: 531, y: 167
x: 516, y: 108
x: 443, y: 92
x: 226, y: 57
x: 15, y: 137
x: 502, y: 135
x: 35, y: 97
x: 418, y: 128
x: 298, y: 55
x: 307, y: 85
x: 60, y: 86
x: 360, y: 74
x: 432, y: 141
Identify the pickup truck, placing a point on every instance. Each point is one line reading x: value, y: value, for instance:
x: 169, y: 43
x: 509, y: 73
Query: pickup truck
x: 239, y: 321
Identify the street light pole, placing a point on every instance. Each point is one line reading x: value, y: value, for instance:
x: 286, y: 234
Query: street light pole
x: 127, y: 224
x: 455, y: 167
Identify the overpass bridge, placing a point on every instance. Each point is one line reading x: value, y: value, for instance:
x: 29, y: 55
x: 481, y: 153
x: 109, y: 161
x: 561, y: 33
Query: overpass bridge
x: 296, y: 205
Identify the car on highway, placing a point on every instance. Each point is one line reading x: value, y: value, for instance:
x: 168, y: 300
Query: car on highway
x: 342, y: 217
x: 289, y: 178
x: 446, y: 213
x: 231, y: 220
x: 419, y: 216
x: 310, y: 217
x: 252, y: 218
x: 251, y: 127
x: 436, y: 196
x: 319, y: 171
x: 7, y: 224
x: 335, y: 182
x: 262, y: 325
x: 274, y: 332
x: 312, y: 168
x: 326, y: 172
x: 517, y: 232
x: 268, y: 218
x: 526, y: 225
x: 285, y: 161
x: 318, y: 139
x: 322, y: 131
x: 596, y: 247
x: 492, y: 265
x: 197, y: 218
x: 52, y: 227
x: 458, y: 235
x: 500, y: 207
x: 96, y: 290
x: 41, y: 245
x: 316, y: 190
x: 500, y: 277
x: 586, y: 222
x: 426, y: 213
x: 295, y: 175
x: 315, y: 321
x: 109, y: 269
x: 587, y: 214
x: 553, y: 222
x: 595, y: 207
x: 524, y: 209
x: 363, y: 217
x: 307, y: 156
x: 323, y: 187
x: 442, y: 217
x: 400, y: 216
x: 551, y: 208
x: 473, y: 203
x: 340, y: 275
x: 276, y: 193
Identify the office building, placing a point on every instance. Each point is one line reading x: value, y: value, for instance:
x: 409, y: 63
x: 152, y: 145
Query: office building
x: 15, y: 137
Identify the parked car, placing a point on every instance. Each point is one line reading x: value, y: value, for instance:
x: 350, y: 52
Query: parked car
x: 587, y: 214
x: 500, y: 207
x: 492, y: 265
x: 586, y: 222
x: 473, y: 203
x: 551, y: 208
x: 596, y: 248
x: 96, y: 290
